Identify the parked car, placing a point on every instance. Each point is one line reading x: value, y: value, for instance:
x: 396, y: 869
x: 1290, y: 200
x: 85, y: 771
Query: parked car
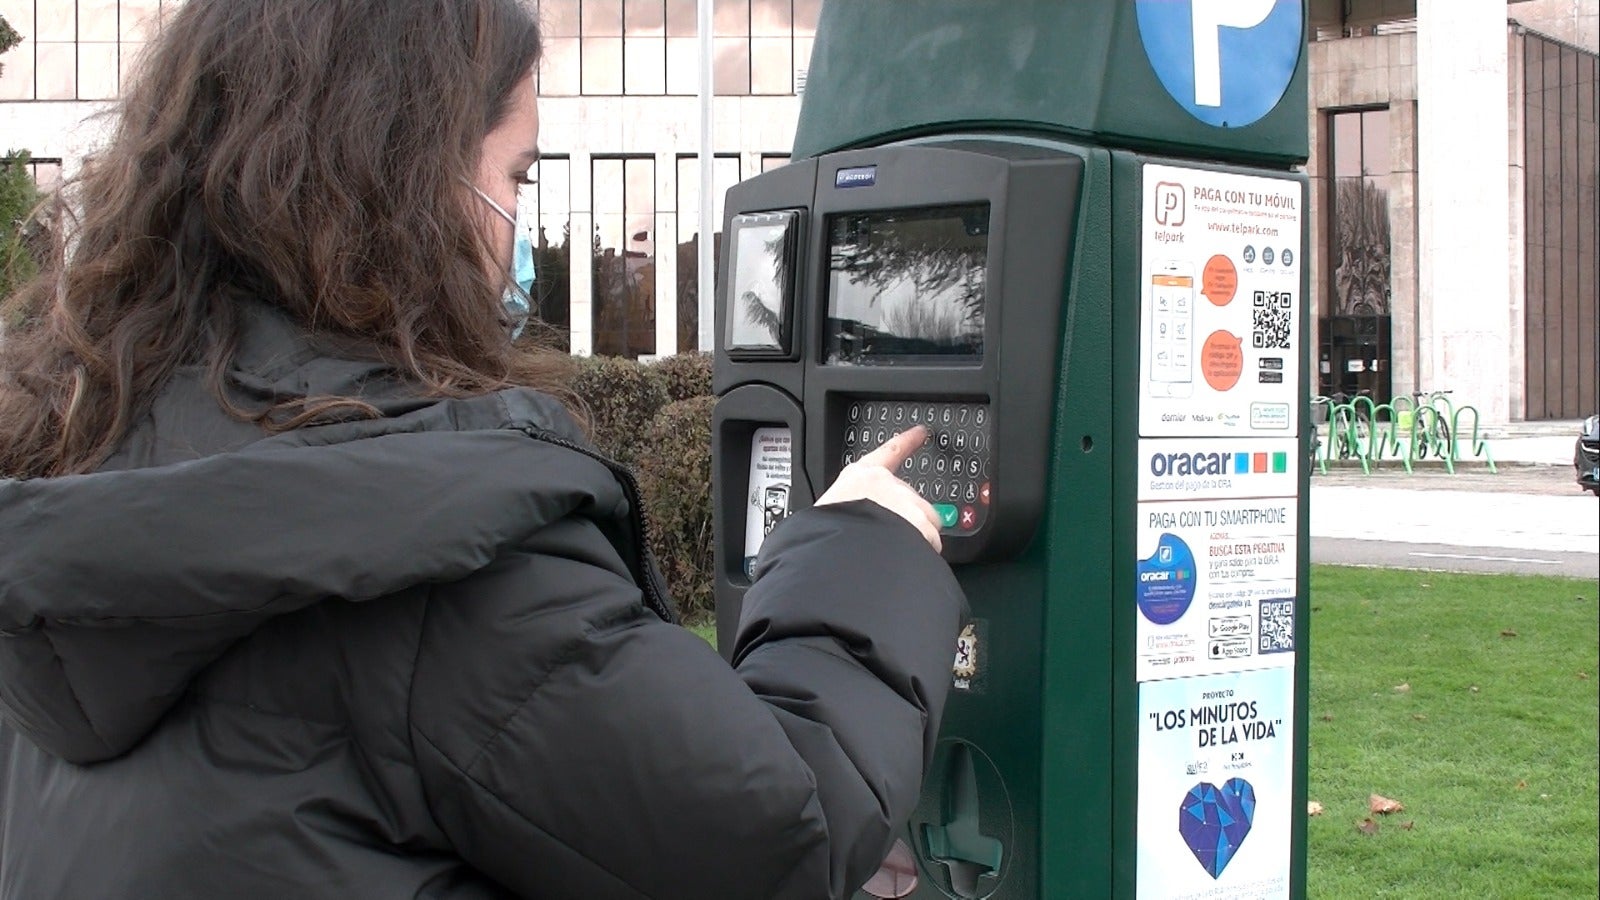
x: 1586, y: 456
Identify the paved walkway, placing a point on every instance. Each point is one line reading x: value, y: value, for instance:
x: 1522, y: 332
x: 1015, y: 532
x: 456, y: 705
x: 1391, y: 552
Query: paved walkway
x: 1463, y: 516
x: 1532, y: 504
x: 1551, y: 444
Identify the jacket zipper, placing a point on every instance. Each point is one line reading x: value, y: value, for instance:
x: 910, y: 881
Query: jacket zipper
x: 639, y: 520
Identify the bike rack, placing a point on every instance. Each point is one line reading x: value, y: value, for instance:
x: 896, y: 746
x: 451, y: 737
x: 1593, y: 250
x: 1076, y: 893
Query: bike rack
x: 1478, y: 444
x: 1371, y: 432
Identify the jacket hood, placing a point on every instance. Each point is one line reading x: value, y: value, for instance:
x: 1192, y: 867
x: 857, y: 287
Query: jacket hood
x: 118, y: 588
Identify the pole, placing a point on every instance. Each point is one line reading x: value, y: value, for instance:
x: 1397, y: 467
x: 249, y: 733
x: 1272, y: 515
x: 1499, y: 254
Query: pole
x: 706, y: 283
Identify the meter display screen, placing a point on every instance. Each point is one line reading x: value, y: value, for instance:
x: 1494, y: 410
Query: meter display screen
x: 763, y: 281
x: 907, y: 286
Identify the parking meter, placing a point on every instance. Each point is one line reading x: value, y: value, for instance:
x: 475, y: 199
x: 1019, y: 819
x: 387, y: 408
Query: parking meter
x: 1078, y: 261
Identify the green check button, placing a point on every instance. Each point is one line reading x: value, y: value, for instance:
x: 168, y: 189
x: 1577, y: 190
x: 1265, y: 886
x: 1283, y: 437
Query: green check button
x: 947, y: 514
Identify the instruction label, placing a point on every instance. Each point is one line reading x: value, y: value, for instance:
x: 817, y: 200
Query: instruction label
x: 767, y: 503
x: 1220, y: 281
x: 1215, y: 587
x: 1216, y: 764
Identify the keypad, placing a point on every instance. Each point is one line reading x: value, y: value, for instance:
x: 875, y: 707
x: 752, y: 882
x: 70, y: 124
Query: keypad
x: 953, y: 469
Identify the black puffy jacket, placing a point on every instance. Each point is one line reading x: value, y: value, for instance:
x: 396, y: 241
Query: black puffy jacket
x: 423, y: 656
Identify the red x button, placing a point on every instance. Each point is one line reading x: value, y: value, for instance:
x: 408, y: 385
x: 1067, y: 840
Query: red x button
x: 969, y: 518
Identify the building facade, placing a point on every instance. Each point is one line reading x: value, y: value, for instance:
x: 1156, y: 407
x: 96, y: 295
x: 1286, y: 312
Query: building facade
x: 614, y: 207
x: 1454, y: 171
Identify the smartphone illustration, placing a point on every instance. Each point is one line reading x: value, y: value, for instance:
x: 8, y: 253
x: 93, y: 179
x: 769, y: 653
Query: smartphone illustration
x: 774, y: 506
x: 1172, y: 330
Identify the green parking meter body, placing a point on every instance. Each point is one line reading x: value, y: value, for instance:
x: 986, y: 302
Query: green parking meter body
x: 1093, y: 295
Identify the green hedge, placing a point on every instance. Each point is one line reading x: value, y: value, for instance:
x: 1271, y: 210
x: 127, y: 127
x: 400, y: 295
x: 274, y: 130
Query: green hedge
x: 656, y: 418
x: 675, y: 478
x: 684, y: 377
x: 17, y: 200
x: 622, y: 398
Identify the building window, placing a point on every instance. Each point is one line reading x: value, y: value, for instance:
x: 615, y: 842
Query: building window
x: 1354, y: 328
x: 76, y: 49
x: 644, y: 52
x: 545, y: 209
x: 46, y: 173
x: 730, y: 44
x: 725, y: 171
x: 561, y: 67
x: 650, y: 47
x: 623, y: 193
x: 85, y: 49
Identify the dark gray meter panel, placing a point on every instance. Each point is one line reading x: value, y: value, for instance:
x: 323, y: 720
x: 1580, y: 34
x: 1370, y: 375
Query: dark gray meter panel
x: 924, y: 285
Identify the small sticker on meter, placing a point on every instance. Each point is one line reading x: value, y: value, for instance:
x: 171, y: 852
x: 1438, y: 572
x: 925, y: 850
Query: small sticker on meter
x: 972, y: 660
x: 768, y: 500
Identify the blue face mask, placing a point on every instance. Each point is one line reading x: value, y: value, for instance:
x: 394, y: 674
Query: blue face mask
x: 518, y: 297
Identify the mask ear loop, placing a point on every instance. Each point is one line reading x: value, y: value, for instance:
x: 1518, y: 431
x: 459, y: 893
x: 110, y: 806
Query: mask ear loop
x: 490, y: 200
x: 518, y: 303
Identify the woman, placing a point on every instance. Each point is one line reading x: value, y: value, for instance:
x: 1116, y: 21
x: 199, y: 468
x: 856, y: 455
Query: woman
x: 309, y: 585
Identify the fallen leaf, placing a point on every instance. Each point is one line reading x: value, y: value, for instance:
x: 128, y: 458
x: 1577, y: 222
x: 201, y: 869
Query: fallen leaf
x: 1408, y: 825
x: 1473, y: 688
x: 1383, y: 805
x: 1313, y: 808
x: 1522, y: 784
x: 1419, y: 717
x: 1326, y: 717
x: 1507, y: 632
x: 1367, y: 826
x: 1426, y: 585
x: 1544, y: 796
x: 1583, y: 676
x: 1403, y: 688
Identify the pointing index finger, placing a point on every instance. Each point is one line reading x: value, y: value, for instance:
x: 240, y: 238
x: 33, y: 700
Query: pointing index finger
x: 895, y: 450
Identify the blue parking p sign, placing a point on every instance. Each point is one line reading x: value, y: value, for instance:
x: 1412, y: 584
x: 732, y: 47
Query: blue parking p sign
x: 1227, y: 62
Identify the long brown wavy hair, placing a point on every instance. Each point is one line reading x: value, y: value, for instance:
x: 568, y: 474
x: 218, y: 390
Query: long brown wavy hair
x: 310, y: 153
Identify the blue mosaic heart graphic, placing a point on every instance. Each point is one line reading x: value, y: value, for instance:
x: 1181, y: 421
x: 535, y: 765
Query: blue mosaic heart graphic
x: 1214, y: 821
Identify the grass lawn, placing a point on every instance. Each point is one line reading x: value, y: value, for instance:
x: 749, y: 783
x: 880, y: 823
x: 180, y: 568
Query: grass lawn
x: 1471, y: 700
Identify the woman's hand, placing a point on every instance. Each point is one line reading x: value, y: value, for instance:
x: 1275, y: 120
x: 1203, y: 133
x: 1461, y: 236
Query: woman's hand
x: 872, y: 478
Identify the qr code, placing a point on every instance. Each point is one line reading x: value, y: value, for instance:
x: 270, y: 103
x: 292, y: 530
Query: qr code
x: 1277, y: 625
x: 1272, y: 320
